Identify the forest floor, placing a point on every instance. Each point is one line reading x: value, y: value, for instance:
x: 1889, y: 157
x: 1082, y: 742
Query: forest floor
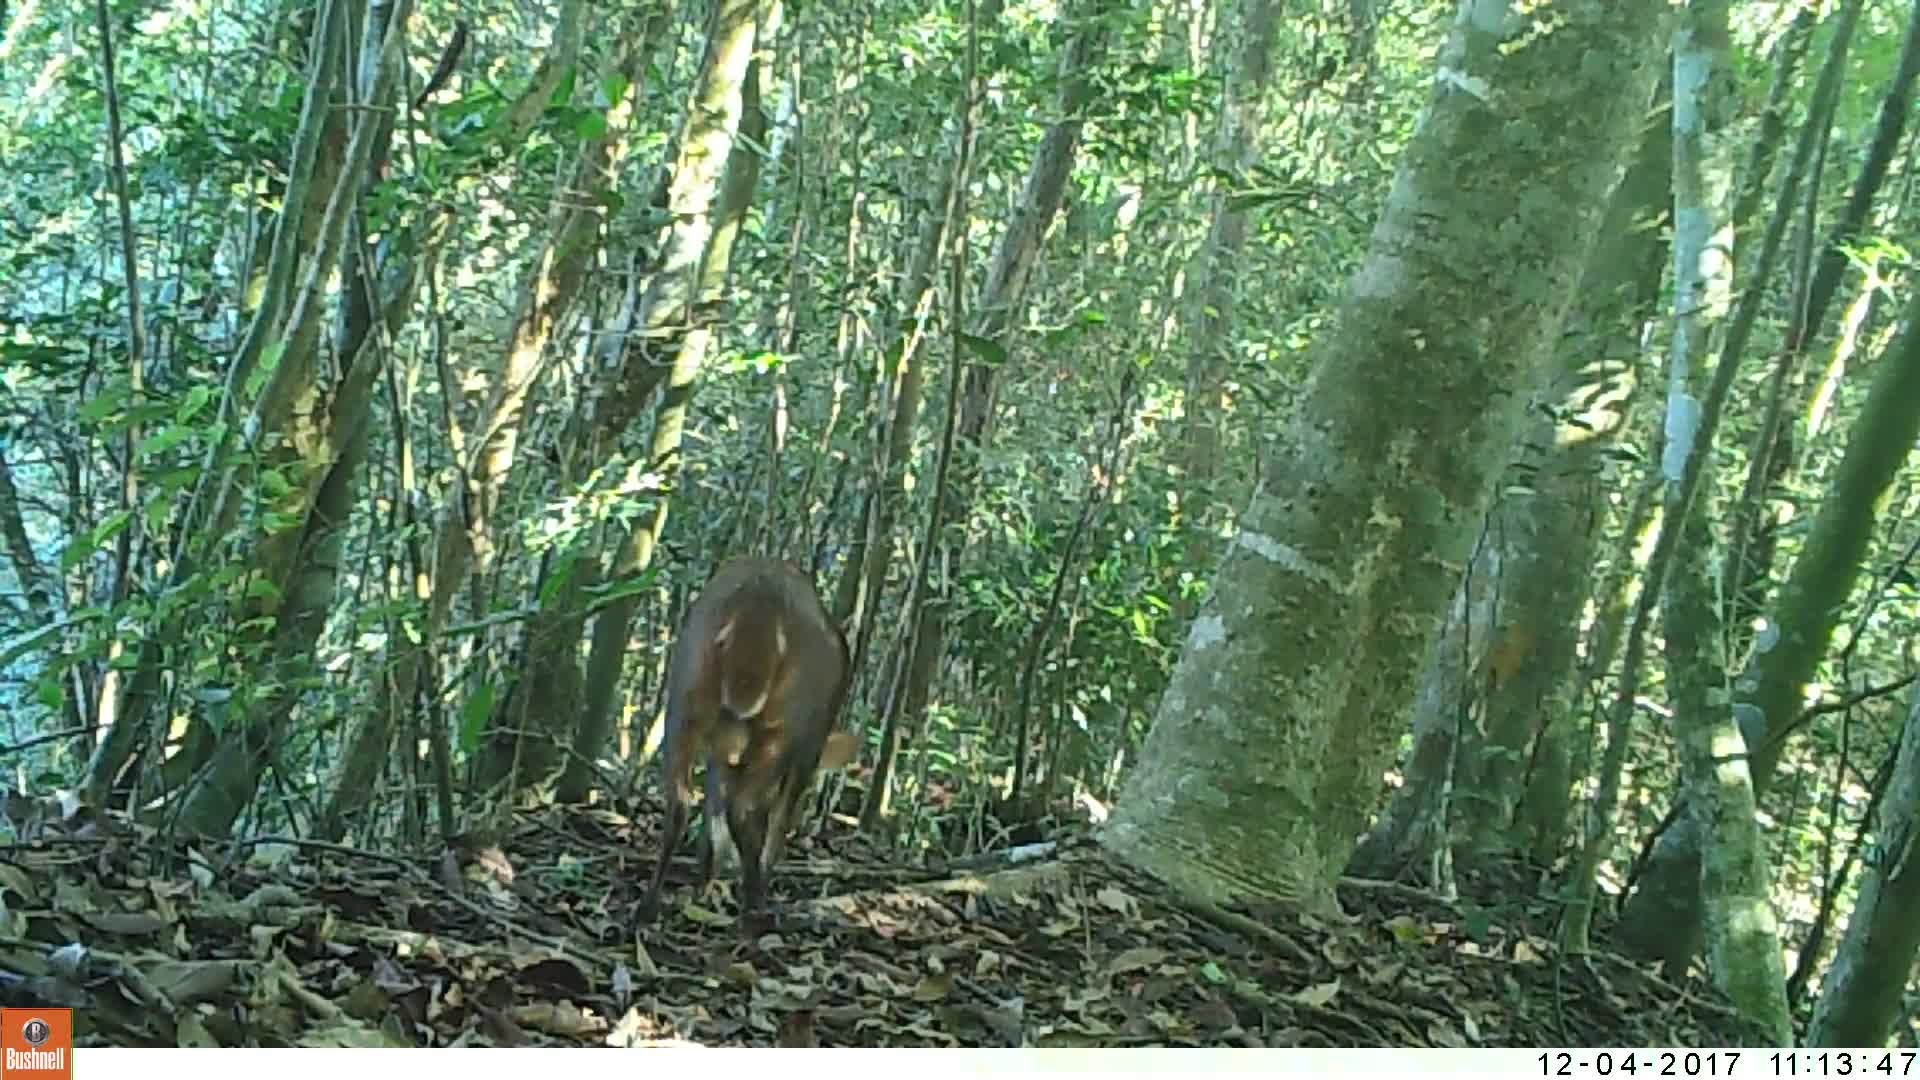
x: 524, y: 942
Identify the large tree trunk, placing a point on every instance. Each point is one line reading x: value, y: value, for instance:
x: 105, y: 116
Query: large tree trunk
x: 1543, y: 540
x: 1552, y: 529
x: 1282, y: 714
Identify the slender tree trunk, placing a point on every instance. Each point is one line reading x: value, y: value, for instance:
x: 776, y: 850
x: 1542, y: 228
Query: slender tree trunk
x: 464, y: 541
x: 1861, y: 994
x: 1546, y: 811
x: 300, y: 563
x: 1411, y: 839
x: 1743, y: 936
x: 1771, y: 463
x: 109, y: 685
x: 857, y: 598
x: 1552, y: 525
x: 1001, y: 301
x: 707, y: 219
x: 865, y: 577
x: 1682, y: 470
x: 1214, y: 284
x: 311, y: 176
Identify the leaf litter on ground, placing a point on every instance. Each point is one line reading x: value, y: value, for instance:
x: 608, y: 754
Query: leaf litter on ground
x: 525, y: 940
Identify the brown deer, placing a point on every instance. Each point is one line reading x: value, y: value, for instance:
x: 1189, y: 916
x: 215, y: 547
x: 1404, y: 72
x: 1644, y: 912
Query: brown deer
x: 757, y: 678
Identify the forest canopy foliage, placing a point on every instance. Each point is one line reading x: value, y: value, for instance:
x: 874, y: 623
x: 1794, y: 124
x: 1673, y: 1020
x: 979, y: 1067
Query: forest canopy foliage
x: 380, y: 380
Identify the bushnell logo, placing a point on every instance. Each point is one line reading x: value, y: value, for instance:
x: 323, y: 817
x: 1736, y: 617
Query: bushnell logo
x: 35, y: 1044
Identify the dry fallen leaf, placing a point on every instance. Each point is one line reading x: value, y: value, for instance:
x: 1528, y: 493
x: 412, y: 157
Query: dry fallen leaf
x: 1387, y: 974
x: 1405, y: 930
x: 1136, y: 959
x: 125, y: 923
x: 797, y: 1030
x: 643, y: 960
x: 934, y: 987
x: 1442, y: 1034
x: 1319, y: 996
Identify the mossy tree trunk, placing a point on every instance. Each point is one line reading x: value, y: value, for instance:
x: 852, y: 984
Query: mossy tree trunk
x: 1283, y: 711
x: 1860, y: 996
x: 1662, y: 918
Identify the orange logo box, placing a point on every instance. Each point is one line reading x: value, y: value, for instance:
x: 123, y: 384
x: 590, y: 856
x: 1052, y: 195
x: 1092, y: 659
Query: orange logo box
x: 36, y: 1044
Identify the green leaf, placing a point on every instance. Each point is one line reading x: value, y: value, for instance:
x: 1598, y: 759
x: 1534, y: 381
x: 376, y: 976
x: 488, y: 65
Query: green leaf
x: 274, y: 485
x: 269, y: 360
x: 105, y: 403
x: 550, y: 589
x: 156, y: 510
x: 473, y: 715
x: 195, y: 400
x: 612, y: 89
x: 50, y: 695
x: 165, y: 439
x: 989, y: 352
x: 618, y: 589
x: 274, y: 524
x: 93, y: 539
x: 590, y: 126
x: 1478, y: 923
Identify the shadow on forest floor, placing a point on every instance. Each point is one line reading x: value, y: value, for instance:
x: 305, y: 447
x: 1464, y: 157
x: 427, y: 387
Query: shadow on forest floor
x: 270, y: 943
